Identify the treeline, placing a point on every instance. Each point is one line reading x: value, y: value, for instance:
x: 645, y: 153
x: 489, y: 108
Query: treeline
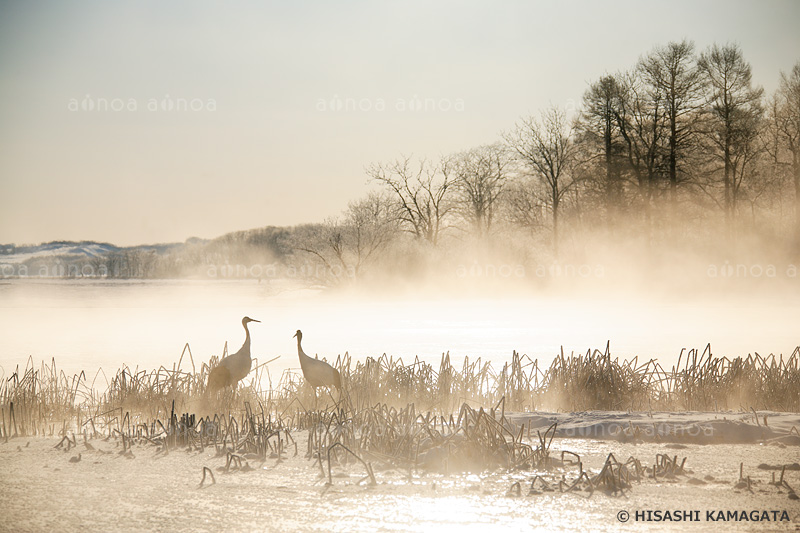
x: 679, y: 157
x: 681, y: 153
x: 243, y: 254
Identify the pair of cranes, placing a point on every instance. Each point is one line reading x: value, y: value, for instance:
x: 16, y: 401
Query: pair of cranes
x: 233, y: 368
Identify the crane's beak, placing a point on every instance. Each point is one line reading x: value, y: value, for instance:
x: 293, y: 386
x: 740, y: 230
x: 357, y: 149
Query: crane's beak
x: 295, y: 335
x: 254, y: 320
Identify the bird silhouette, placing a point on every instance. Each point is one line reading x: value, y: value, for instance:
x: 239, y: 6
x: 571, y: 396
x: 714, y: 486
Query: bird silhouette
x: 317, y: 373
x: 232, y: 369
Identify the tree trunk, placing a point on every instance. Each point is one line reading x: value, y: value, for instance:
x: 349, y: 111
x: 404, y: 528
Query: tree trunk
x: 648, y: 210
x: 610, y: 181
x: 727, y: 182
x: 555, y: 224
x: 796, y: 165
x: 673, y: 170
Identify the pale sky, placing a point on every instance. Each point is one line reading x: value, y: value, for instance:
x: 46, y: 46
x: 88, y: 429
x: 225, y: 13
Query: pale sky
x: 265, y: 144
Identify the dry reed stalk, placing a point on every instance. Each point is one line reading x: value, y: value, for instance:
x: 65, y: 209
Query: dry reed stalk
x: 210, y: 473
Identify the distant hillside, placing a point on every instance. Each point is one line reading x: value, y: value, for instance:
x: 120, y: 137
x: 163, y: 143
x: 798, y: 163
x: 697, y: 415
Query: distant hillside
x: 10, y: 253
x: 195, y: 257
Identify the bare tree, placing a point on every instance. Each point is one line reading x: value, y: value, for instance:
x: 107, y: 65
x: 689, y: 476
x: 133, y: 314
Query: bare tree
x: 524, y: 203
x: 642, y: 125
x: 778, y: 164
x: 347, y: 245
x: 786, y: 118
x: 599, y: 125
x: 736, y: 111
x: 372, y: 224
x: 480, y: 176
x: 674, y: 77
x: 421, y: 194
x: 545, y: 148
x: 764, y: 191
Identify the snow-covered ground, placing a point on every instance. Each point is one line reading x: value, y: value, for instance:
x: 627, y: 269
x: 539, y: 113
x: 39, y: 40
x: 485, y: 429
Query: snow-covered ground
x: 41, y: 489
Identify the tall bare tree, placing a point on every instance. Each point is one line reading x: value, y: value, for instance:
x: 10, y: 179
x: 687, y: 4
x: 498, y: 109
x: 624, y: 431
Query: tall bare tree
x: 778, y: 165
x: 421, y: 193
x: 787, y: 123
x: 545, y: 148
x: 642, y: 125
x: 599, y: 126
x: 735, y: 116
x: 672, y: 72
x: 480, y: 176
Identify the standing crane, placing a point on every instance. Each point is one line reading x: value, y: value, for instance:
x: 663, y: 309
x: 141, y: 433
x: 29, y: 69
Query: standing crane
x: 232, y: 369
x: 317, y: 373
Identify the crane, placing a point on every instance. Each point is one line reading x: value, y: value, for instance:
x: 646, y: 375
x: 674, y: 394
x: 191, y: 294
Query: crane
x: 232, y: 369
x: 317, y: 373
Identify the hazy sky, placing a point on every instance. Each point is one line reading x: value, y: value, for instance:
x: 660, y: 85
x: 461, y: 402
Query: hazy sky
x: 255, y: 136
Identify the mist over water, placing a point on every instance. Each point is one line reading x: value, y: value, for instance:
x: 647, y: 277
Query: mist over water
x: 88, y: 325
x: 170, y: 168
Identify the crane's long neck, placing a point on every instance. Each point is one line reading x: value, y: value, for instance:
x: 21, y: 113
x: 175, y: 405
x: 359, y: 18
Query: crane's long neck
x: 300, y: 353
x: 246, y: 346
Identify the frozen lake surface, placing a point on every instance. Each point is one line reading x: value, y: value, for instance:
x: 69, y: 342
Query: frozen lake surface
x: 91, y: 324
